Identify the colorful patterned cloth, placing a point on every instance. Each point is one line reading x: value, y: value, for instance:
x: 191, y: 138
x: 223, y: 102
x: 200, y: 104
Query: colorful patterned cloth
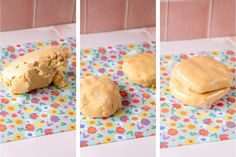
x: 45, y: 111
x: 137, y: 118
x: 181, y: 124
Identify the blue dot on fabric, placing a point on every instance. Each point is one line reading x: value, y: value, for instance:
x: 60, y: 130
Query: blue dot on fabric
x: 162, y: 127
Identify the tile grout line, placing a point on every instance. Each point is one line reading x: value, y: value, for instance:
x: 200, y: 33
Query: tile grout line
x: 85, y: 15
x: 0, y: 16
x: 126, y: 14
x: 34, y: 13
x: 209, y: 24
x: 235, y: 18
x: 166, y: 20
x: 74, y: 12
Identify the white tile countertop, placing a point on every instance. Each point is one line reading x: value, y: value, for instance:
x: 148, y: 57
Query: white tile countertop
x: 56, y: 145
x: 117, y: 37
x: 197, y: 45
x: 37, y: 34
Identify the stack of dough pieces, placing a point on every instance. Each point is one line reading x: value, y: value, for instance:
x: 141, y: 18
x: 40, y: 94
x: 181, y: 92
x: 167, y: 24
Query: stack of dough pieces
x: 200, y: 81
x: 35, y: 70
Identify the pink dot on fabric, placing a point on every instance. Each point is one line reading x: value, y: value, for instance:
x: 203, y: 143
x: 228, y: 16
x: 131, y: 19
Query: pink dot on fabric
x: 12, y: 56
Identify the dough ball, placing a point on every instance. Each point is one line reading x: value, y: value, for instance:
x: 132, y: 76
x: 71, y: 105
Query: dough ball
x: 99, y: 97
x: 35, y: 70
x: 202, y: 74
x: 141, y: 69
x: 191, y: 98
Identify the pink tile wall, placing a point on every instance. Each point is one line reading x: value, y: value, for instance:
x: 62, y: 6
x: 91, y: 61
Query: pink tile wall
x: 105, y: 15
x: 163, y: 20
x: 193, y: 19
x: 16, y: 14
x: 141, y: 13
x: 223, y: 18
x: 111, y: 15
x: 74, y: 13
x: 50, y: 12
x: 187, y: 19
x: 21, y: 14
x: 83, y: 6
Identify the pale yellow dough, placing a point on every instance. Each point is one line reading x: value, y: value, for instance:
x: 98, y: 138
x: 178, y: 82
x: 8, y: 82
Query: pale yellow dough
x: 99, y: 97
x: 35, y: 70
x: 202, y: 74
x: 141, y: 69
x: 185, y: 95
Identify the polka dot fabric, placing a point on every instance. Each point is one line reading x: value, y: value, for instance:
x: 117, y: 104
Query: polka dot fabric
x: 41, y: 112
x: 182, y: 124
x: 137, y: 117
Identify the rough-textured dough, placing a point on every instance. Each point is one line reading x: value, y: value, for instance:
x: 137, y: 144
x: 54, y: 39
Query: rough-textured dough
x: 141, y: 69
x: 188, y: 97
x: 59, y: 79
x: 35, y: 70
x: 202, y: 74
x: 99, y: 97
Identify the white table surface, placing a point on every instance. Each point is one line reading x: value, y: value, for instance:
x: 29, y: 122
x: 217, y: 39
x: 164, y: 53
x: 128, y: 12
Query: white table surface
x: 142, y: 147
x: 213, y: 149
x: 63, y: 144
x: 56, y: 145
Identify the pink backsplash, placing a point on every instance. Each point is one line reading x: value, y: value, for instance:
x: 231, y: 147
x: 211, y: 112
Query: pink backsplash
x: 141, y: 13
x: 180, y: 19
x: 111, y: 15
x: 104, y: 15
x: 22, y: 14
x: 163, y: 21
x: 96, y: 15
x: 50, y: 12
x: 223, y: 18
x: 194, y: 19
x: 16, y: 14
x: 187, y: 20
